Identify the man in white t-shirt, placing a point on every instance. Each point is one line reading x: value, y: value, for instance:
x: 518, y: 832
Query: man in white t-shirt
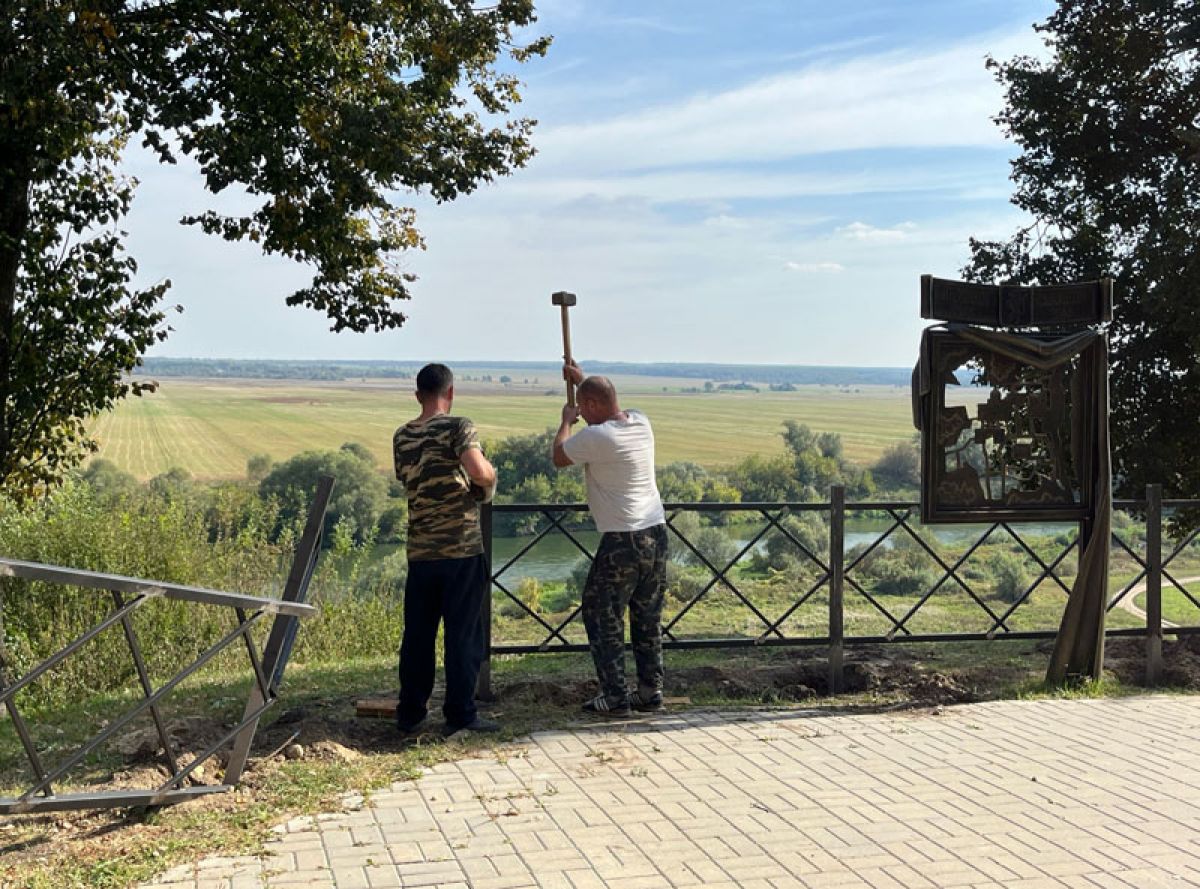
x: 616, y: 450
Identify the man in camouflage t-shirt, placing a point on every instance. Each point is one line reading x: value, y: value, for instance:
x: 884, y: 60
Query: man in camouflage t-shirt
x: 440, y: 462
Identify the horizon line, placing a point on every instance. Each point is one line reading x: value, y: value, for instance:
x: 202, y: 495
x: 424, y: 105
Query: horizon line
x: 516, y: 363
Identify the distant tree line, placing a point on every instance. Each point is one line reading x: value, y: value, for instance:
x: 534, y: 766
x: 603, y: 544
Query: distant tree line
x: 736, y: 375
x: 253, y: 369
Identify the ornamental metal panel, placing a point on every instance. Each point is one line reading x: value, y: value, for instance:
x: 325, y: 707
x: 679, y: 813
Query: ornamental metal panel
x: 1013, y: 305
x: 1012, y: 444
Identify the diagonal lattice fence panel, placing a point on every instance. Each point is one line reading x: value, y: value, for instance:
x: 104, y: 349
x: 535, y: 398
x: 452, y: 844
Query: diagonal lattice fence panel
x: 834, y: 574
x: 58, y: 770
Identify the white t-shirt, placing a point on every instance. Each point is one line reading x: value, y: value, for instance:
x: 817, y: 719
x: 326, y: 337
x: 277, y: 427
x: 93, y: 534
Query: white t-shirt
x: 618, y: 465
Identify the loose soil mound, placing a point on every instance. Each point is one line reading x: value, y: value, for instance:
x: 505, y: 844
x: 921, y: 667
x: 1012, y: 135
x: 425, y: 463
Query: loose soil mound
x: 1126, y: 659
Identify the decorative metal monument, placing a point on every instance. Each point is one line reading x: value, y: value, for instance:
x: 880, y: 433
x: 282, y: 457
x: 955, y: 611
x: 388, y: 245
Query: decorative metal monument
x: 1011, y: 397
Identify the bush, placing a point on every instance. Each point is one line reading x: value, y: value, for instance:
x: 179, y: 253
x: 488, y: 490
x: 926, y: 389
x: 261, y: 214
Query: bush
x: 529, y: 591
x: 713, y: 543
x: 148, y: 534
x: 898, y: 468
x: 683, y: 583
x: 1010, y: 578
x: 900, y: 570
x: 897, y: 577
x: 779, y: 554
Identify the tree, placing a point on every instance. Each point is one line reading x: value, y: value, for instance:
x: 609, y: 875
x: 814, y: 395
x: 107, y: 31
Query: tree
x: 818, y: 462
x: 898, y: 468
x: 764, y: 479
x: 258, y: 466
x: 359, y: 496
x: 109, y: 481
x: 1109, y: 131
x: 320, y: 111
x: 519, y: 458
x: 686, y: 482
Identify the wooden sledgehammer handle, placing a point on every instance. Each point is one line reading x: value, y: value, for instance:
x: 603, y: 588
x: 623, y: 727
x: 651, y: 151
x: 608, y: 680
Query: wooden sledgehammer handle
x: 564, y: 301
x: 567, y: 354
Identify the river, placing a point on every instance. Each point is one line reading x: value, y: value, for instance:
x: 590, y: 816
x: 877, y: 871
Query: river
x: 554, y: 556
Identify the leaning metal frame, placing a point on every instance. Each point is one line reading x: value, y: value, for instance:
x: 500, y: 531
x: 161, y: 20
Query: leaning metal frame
x: 268, y: 673
x: 836, y: 575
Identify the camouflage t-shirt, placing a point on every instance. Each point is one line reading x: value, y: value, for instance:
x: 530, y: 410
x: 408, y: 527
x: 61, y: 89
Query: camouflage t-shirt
x: 443, y: 516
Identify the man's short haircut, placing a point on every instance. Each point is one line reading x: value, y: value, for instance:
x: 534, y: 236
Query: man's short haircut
x: 434, y: 379
x: 600, y: 388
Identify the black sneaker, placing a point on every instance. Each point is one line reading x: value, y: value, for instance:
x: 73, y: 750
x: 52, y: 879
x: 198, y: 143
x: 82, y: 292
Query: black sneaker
x: 478, y: 724
x: 600, y: 706
x: 408, y: 726
x: 645, y: 703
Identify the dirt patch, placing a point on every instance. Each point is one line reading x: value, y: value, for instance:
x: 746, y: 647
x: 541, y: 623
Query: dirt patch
x: 541, y: 691
x: 1126, y: 659
x: 804, y: 676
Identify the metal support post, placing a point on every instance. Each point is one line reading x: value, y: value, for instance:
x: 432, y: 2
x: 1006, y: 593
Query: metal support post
x: 483, y: 685
x: 1154, y: 633
x: 283, y: 630
x: 837, y: 526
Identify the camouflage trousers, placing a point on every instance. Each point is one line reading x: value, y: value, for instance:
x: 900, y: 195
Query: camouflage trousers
x: 629, y: 571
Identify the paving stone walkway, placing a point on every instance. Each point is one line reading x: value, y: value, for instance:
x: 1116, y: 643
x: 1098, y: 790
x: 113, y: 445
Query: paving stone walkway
x: 1015, y: 794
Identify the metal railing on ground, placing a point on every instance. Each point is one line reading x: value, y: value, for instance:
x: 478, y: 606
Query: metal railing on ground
x: 128, y: 595
x: 835, y: 573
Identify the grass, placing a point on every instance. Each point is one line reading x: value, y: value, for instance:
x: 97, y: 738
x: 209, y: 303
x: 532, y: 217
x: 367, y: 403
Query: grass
x: 1176, y: 607
x: 211, y: 428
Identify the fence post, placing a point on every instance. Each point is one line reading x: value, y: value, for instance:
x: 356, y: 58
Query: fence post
x: 278, y: 648
x: 837, y: 526
x: 1154, y: 634
x: 483, y: 685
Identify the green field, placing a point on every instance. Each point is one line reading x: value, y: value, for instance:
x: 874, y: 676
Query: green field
x: 211, y: 428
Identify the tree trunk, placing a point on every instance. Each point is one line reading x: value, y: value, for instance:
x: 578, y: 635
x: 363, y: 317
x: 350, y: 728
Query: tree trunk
x: 14, y: 220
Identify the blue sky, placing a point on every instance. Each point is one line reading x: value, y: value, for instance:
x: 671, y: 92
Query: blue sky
x: 753, y: 181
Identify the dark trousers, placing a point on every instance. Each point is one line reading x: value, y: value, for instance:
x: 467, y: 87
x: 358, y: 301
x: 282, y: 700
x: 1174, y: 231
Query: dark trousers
x: 450, y: 591
x: 629, y: 571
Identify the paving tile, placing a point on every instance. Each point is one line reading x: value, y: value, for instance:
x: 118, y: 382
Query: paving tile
x: 1015, y: 794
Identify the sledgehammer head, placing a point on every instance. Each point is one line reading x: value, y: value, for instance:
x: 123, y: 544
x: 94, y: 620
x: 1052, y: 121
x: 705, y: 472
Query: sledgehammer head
x: 562, y: 298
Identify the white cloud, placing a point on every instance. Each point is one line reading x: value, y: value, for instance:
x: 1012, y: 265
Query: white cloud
x: 940, y: 98
x: 861, y: 231
x: 726, y: 184
x: 807, y: 267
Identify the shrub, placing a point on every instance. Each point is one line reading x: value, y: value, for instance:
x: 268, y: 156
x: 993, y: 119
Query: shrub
x: 713, y: 543
x: 529, y: 591
x: 683, y: 583
x: 902, y: 569
x: 1010, y: 578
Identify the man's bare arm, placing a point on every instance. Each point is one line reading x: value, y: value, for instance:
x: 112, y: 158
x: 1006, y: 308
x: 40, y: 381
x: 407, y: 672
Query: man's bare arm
x: 479, y: 469
x: 570, y: 415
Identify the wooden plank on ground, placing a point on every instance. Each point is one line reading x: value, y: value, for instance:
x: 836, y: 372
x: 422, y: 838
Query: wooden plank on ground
x: 375, y: 708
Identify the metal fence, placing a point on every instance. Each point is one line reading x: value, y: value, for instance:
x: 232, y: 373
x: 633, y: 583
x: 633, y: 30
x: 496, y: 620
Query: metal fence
x: 128, y: 595
x: 835, y: 579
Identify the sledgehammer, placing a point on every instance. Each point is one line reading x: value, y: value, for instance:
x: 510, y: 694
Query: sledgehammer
x: 565, y: 300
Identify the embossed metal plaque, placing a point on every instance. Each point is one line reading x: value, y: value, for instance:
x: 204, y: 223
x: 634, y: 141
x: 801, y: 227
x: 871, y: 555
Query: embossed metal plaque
x: 1013, y: 305
x: 1010, y: 442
